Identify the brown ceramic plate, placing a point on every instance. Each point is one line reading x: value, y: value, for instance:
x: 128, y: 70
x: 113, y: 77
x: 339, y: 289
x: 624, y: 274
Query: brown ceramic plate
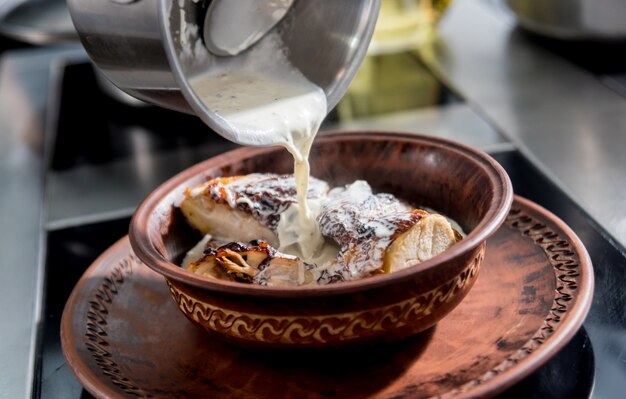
x: 123, y: 335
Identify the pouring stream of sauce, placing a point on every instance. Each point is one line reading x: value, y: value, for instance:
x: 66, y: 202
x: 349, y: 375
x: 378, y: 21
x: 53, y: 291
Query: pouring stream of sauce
x: 264, y: 100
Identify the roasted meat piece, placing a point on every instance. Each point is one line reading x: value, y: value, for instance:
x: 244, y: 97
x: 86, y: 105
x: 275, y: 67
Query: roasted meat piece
x: 253, y: 262
x: 244, y: 208
x: 379, y: 233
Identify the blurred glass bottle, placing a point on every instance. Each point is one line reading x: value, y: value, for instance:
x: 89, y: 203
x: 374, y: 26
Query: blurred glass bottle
x: 391, y: 77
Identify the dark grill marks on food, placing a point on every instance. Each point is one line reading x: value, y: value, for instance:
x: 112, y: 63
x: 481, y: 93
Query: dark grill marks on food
x: 364, y: 227
x: 243, y: 261
x: 264, y: 195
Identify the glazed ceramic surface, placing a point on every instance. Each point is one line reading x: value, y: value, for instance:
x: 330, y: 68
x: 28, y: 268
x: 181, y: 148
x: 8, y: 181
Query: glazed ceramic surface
x: 461, y: 182
x: 123, y: 335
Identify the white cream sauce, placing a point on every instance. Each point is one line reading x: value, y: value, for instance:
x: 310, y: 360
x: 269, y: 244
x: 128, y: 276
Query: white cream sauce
x: 197, y: 252
x: 299, y: 236
x: 264, y: 100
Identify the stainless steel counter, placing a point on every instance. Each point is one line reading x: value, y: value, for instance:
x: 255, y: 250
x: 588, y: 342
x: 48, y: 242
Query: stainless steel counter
x: 23, y: 94
x: 20, y: 246
x: 24, y: 80
x: 564, y: 119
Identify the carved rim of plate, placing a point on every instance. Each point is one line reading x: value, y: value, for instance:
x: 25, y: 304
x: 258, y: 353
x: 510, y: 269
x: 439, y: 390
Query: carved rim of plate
x: 96, y: 325
x: 565, y: 260
x: 560, y: 253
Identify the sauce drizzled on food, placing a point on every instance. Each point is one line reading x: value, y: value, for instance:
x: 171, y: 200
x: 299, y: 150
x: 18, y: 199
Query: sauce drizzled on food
x: 291, y: 229
x: 265, y: 101
x: 365, y: 233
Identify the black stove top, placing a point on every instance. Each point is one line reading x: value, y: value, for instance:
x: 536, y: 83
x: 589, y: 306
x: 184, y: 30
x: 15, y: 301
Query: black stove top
x: 118, y: 131
x: 570, y: 374
x: 94, y: 128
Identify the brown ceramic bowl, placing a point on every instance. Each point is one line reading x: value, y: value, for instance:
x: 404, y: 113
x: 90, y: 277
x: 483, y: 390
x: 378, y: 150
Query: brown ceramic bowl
x: 454, y: 179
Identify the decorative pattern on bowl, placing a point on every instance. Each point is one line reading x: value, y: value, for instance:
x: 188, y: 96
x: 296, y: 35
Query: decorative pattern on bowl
x: 327, y: 328
x: 460, y: 182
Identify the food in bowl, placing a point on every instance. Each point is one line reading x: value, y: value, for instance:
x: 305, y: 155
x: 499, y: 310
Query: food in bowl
x: 253, y: 234
x: 465, y: 184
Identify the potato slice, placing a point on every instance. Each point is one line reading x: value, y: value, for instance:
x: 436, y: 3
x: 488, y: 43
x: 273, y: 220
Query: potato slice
x: 430, y: 236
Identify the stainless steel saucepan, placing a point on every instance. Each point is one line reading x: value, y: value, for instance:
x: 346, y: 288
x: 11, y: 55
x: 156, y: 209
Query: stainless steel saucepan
x: 143, y: 46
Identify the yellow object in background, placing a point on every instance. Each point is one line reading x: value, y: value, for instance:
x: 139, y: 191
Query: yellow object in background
x: 392, y: 78
x: 405, y: 24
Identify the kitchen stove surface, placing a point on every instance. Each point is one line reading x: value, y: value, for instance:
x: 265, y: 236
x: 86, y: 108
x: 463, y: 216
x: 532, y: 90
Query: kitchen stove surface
x: 94, y: 128
x: 572, y: 373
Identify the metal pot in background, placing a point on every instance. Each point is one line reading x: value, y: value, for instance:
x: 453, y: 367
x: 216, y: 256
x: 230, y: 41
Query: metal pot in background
x: 38, y: 22
x: 140, y: 45
x: 603, y: 20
